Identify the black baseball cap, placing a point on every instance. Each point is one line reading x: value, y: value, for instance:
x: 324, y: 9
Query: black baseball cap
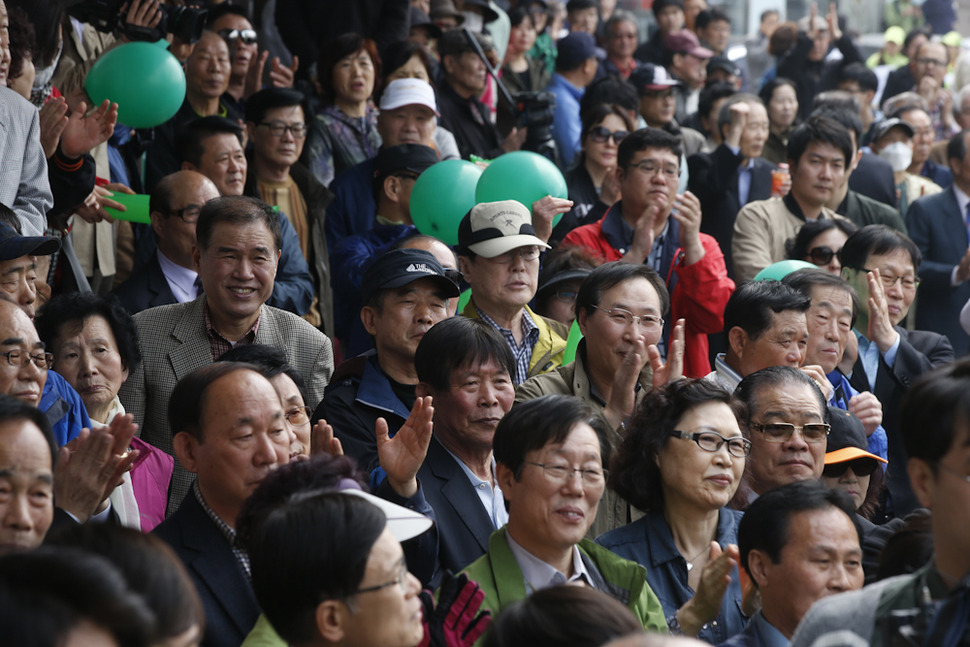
x: 410, y: 158
x: 399, y: 267
x: 13, y: 245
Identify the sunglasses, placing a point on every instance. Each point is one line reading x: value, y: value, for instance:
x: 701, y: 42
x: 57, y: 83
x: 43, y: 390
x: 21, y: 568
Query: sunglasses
x: 822, y: 255
x: 600, y: 134
x: 860, y: 466
x: 247, y: 36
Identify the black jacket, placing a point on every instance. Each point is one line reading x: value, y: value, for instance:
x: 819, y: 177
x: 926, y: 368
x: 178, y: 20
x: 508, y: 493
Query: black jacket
x: 145, y: 288
x: 812, y: 77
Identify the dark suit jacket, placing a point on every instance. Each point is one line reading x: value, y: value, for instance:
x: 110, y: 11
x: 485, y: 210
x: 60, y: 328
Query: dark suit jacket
x: 919, y: 351
x: 937, y: 227
x: 230, y: 605
x: 873, y: 178
x: 145, y: 288
x: 714, y: 180
x: 463, y: 524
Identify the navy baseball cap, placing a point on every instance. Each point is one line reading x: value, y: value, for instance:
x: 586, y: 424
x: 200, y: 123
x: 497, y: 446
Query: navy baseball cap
x: 399, y: 267
x: 13, y: 245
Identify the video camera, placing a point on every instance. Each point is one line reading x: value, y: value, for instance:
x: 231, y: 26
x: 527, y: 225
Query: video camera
x: 185, y: 23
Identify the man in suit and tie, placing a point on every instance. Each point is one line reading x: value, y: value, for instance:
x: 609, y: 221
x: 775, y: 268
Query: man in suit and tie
x: 938, y: 226
x: 466, y: 367
x: 169, y: 276
x: 882, y: 356
x: 236, y: 254
x: 230, y: 432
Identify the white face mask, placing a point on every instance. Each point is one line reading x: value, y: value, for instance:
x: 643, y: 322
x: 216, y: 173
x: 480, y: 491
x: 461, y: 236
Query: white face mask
x: 899, y: 156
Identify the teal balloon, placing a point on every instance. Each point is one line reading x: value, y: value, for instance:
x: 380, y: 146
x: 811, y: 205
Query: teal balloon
x: 572, y: 343
x: 523, y: 176
x: 441, y: 197
x: 781, y: 269
x: 145, y: 81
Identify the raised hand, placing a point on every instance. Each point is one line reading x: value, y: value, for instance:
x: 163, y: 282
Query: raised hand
x: 88, y: 468
x: 673, y: 369
x: 282, y: 76
x: 543, y: 212
x: 323, y: 440
x: 881, y: 328
x: 402, y: 456
x: 457, y: 620
x: 867, y: 408
x: 84, y: 132
x: 53, y: 121
x: 687, y: 211
x: 623, y: 394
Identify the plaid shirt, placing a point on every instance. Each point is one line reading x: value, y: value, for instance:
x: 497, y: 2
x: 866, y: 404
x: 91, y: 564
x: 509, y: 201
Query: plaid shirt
x: 523, y: 353
x: 219, y: 344
x: 225, y: 529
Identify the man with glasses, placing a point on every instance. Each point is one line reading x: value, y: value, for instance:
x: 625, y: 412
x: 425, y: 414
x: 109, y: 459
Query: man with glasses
x: 169, y: 275
x: 619, y: 310
x: 882, y: 356
x: 498, y: 253
x: 550, y: 454
x: 397, y: 168
x: 787, y: 428
x: 929, y: 67
x: 653, y: 225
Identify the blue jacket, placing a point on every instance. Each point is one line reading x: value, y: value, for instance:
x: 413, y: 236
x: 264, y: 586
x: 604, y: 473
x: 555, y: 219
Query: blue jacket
x: 353, y: 207
x: 566, y: 125
x: 348, y: 261
x: 63, y: 408
x: 843, y: 392
x: 649, y: 542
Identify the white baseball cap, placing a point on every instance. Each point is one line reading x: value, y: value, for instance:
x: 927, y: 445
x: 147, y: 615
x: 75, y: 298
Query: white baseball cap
x: 409, y: 92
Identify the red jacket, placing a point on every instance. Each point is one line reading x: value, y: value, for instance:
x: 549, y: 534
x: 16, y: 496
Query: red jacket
x: 699, y: 292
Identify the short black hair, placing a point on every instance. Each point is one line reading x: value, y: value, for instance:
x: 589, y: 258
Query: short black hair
x: 878, y: 240
x: 397, y: 54
x: 190, y: 138
x: 456, y: 342
x: 946, y: 393
x: 634, y: 473
x: 609, y: 89
x: 341, y: 47
x: 545, y: 420
x: 767, y: 90
x: 12, y: 409
x: 216, y: 11
x: 258, y: 104
x: 643, y: 139
x: 8, y: 216
x: 749, y: 388
x: 609, y: 275
x: 797, y: 248
x: 861, y: 74
x: 188, y: 400
x: 711, y: 94
x: 66, y: 313
x: 765, y: 523
x: 270, y: 360
x: 956, y: 148
x: 751, y: 305
x: 819, y: 130
x: 806, y: 279
x: 845, y: 116
x: 601, y: 111
x: 707, y: 16
x: 236, y: 210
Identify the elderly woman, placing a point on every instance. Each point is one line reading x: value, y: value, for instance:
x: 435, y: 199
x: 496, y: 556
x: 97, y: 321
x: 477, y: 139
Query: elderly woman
x: 344, y: 133
x: 95, y: 347
x: 681, y: 462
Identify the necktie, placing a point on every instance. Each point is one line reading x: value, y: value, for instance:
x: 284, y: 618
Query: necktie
x: 199, y: 290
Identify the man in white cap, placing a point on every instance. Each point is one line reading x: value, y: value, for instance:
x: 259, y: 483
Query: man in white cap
x: 409, y: 115
x: 498, y: 251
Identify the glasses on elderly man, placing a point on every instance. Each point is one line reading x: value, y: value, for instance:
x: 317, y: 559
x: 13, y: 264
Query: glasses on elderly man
x: 247, y: 36
x: 19, y: 357
x: 562, y: 473
x: 781, y: 432
x: 400, y: 580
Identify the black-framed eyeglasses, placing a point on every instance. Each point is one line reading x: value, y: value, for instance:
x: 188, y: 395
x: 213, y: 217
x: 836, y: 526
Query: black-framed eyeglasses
x: 455, y: 276
x: 299, y: 416
x: 781, y: 432
x: 560, y: 473
x: 400, y: 580
x: 862, y: 466
x: 622, y: 317
x: 247, y: 36
x: 277, y: 128
x: 18, y: 357
x: 711, y: 441
x: 600, y: 134
x: 888, y: 280
x: 822, y: 255
x: 189, y: 213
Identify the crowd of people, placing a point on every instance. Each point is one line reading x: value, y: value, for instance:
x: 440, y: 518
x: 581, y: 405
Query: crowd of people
x: 697, y: 401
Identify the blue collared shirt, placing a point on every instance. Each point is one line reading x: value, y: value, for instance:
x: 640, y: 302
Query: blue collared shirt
x: 768, y: 636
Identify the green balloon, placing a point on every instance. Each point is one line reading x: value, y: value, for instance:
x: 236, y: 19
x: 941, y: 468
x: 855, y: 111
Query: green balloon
x: 523, y: 176
x: 572, y: 343
x: 145, y: 81
x: 781, y: 269
x: 441, y: 197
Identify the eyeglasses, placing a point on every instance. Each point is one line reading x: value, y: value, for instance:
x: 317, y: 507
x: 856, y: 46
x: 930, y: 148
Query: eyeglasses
x: 953, y: 472
x: 860, y: 467
x: 651, y: 168
x: 569, y: 296
x: 888, y: 280
x: 455, y: 276
x: 530, y: 253
x: 189, y: 214
x: 247, y: 36
x: 781, y: 432
x: 299, y: 416
x: 711, y: 441
x: 18, y: 357
x: 559, y: 473
x: 931, y: 61
x: 400, y: 580
x: 822, y: 255
x: 600, y: 134
x: 622, y: 317
x: 277, y: 128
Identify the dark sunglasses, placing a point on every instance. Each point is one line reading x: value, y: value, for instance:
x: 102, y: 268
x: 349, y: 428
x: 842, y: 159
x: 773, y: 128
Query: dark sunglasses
x: 247, y: 36
x: 822, y: 255
x: 861, y: 467
x: 600, y: 134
